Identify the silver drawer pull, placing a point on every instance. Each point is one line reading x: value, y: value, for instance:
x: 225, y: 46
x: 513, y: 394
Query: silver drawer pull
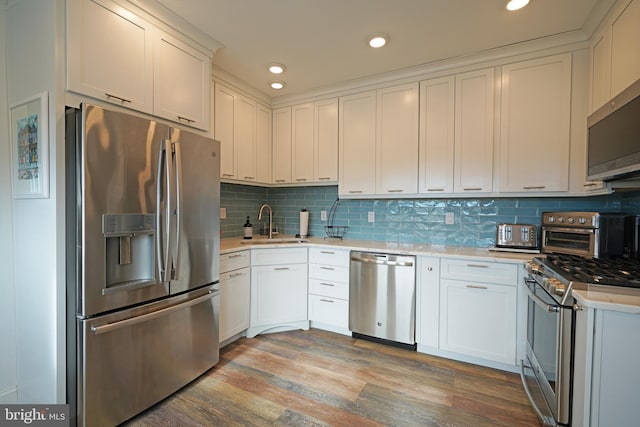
x: 395, y: 191
x: 112, y: 96
x: 476, y: 287
x: 301, y: 179
x: 324, y: 178
x: 327, y: 284
x: 477, y: 265
x: 327, y: 268
x: 472, y: 189
x: 355, y: 191
x: 435, y: 189
x: 235, y: 256
x: 281, y: 268
x: 327, y: 252
x: 185, y: 119
x: 326, y: 300
x: 250, y: 177
x: 539, y: 187
x: 232, y: 275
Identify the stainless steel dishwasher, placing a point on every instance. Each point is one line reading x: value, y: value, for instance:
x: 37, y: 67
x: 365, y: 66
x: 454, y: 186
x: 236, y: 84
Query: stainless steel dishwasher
x: 382, y: 296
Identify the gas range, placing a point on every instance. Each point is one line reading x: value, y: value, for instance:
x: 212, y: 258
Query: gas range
x: 560, y: 274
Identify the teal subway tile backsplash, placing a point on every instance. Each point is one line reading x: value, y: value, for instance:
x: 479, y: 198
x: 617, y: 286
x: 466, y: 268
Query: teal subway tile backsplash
x: 402, y: 220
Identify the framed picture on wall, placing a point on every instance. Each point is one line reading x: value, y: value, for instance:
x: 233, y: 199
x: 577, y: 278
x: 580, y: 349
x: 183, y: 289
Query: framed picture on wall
x: 30, y: 147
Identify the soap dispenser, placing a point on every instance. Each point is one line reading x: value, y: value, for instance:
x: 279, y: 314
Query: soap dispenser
x: 248, y: 229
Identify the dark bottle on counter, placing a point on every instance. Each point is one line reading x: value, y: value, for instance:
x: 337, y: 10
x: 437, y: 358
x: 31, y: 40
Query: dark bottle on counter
x: 248, y: 230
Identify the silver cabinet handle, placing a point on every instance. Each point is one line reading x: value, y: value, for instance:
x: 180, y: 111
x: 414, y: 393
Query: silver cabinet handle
x: 355, y: 191
x: 235, y: 256
x: 472, y: 189
x: 540, y: 187
x: 326, y: 300
x: 185, y: 119
x: 97, y: 330
x: 301, y: 179
x: 327, y: 284
x: 112, y: 96
x: 435, y: 189
x: 327, y: 252
x: 395, y: 191
x: 476, y: 287
x: 281, y: 268
x: 232, y: 275
x: 324, y: 178
x: 477, y: 266
x: 327, y: 268
x: 250, y: 177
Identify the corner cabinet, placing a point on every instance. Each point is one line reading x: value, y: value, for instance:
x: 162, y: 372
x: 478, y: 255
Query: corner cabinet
x: 379, y: 128
x: 278, y: 290
x: 282, y: 145
x: 243, y: 128
x: 535, y: 125
x: 137, y: 65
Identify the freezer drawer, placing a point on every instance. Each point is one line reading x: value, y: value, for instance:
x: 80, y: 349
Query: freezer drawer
x: 130, y: 360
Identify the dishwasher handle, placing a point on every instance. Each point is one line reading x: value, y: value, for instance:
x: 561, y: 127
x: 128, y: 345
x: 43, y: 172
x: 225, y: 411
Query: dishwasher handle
x: 382, y: 261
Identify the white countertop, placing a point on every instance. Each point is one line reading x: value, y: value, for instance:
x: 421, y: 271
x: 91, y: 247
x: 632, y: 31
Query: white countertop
x: 609, y: 300
x: 234, y: 244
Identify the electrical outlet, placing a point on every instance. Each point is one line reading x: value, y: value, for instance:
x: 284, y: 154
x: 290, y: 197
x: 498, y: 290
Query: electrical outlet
x: 449, y: 218
x: 323, y: 215
x: 223, y: 213
x: 371, y: 216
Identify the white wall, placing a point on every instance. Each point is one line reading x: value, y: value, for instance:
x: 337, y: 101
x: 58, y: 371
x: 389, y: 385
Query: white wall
x: 34, y: 47
x: 8, y: 368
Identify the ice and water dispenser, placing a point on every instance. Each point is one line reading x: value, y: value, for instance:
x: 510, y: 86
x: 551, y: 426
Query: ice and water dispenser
x: 130, y: 250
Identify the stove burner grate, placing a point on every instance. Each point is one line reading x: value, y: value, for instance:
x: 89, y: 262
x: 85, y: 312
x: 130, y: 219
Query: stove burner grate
x: 608, y: 272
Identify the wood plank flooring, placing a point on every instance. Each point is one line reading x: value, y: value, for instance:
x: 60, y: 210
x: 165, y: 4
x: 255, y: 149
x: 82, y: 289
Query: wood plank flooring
x: 317, y: 378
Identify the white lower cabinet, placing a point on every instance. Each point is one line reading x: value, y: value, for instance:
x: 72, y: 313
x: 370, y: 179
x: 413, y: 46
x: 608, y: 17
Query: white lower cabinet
x: 606, y: 368
x: 278, y: 290
x: 329, y: 289
x: 478, y: 309
x: 428, y: 300
x: 235, y: 290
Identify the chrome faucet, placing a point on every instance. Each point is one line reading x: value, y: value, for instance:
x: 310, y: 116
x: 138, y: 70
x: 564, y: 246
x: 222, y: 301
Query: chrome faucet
x: 270, y: 218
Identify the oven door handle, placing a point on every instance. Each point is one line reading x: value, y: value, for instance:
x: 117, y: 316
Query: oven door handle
x: 547, y: 307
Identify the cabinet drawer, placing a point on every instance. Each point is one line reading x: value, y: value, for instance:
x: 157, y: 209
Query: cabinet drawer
x: 329, y: 256
x: 278, y: 256
x: 329, y: 288
x: 329, y: 272
x: 327, y: 310
x: 235, y: 274
x: 234, y: 261
x: 479, y: 271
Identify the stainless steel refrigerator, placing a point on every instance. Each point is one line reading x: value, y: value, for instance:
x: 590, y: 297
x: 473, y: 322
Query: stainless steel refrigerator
x: 143, y: 247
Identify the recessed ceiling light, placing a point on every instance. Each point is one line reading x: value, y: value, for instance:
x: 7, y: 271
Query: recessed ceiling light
x: 277, y: 68
x: 516, y: 4
x: 378, y: 40
x: 277, y: 85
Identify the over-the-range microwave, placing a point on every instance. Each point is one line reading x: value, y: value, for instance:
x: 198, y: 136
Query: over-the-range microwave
x: 613, y: 148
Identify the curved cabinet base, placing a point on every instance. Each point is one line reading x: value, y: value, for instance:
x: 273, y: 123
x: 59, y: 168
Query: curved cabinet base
x: 268, y: 329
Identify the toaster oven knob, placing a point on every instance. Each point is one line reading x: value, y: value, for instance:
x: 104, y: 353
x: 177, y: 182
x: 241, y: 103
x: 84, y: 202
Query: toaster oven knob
x: 570, y: 220
x: 560, y: 219
x: 582, y: 220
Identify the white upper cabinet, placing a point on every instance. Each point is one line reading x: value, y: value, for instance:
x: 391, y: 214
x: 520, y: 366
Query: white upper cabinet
x: 535, y: 125
x: 116, y: 56
x: 110, y: 54
x: 474, y: 115
x: 397, y: 140
x: 302, y: 131
x: 263, y: 144
x: 615, y: 53
x: 625, y: 48
x: 243, y: 128
x: 437, y: 115
x: 224, y: 115
x: 325, y: 141
x: 181, y: 82
x: 245, y: 138
x: 357, y: 141
x: 379, y: 142
x: 282, y: 145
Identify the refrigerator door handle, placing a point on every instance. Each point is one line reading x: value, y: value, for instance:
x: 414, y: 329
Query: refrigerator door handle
x: 163, y: 218
x: 97, y: 330
x: 177, y: 149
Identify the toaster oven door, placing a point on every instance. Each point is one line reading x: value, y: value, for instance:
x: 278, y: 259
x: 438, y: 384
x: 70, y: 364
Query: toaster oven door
x: 572, y: 241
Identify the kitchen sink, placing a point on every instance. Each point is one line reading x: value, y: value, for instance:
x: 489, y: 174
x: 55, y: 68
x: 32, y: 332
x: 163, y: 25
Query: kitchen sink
x: 275, y: 241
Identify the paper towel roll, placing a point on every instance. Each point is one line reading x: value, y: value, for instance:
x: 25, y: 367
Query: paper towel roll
x: 304, y: 223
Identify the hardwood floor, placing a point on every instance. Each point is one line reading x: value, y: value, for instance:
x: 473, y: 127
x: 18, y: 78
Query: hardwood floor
x: 317, y: 378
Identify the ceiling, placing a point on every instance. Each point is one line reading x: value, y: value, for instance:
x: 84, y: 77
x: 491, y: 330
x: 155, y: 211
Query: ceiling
x: 323, y: 42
